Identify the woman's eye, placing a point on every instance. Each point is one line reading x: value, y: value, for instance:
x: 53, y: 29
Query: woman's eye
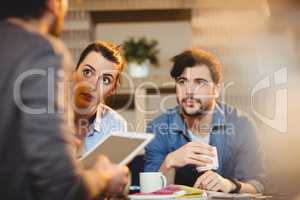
x: 106, y: 80
x: 87, y: 73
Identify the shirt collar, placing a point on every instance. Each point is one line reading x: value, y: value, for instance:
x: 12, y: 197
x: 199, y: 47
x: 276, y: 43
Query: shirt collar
x: 96, y: 125
x: 178, y: 120
x: 219, y: 120
x: 102, y: 110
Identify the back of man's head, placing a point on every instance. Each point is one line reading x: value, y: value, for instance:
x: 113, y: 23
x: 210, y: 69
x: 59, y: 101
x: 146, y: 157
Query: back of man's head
x: 25, y: 9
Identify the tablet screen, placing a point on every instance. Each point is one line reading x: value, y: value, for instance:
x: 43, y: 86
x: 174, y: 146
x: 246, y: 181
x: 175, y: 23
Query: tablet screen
x: 119, y: 148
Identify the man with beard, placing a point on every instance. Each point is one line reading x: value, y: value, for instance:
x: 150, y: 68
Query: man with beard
x: 186, y: 134
x: 35, y: 157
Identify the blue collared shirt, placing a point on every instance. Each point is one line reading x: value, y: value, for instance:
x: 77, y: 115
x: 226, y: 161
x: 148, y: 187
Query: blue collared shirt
x: 105, y: 123
x: 239, y: 151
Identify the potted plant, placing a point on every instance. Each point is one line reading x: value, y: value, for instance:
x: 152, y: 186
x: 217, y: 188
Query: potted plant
x: 140, y: 53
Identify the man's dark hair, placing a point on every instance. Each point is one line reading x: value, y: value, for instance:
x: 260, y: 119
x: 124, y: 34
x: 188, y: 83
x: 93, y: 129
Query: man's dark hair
x: 25, y: 9
x: 193, y: 57
x: 108, y: 50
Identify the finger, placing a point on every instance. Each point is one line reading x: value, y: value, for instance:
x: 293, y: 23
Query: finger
x: 125, y: 181
x: 202, y: 151
x: 122, y: 171
x: 212, y: 183
x: 207, y: 177
x: 203, y: 177
x: 197, y: 183
x: 120, y: 188
x: 125, y: 177
x: 103, y: 159
x: 126, y: 170
x: 116, y: 185
x: 190, y: 161
x: 198, y: 144
x: 216, y: 188
x: 210, y: 177
x: 122, y: 184
x: 201, y: 158
x: 103, y: 162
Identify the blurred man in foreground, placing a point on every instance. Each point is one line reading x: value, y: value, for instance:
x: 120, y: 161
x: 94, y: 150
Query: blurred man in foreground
x: 35, y: 156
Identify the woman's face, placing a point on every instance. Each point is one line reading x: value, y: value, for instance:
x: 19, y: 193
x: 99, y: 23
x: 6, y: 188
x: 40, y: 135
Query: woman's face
x: 95, y: 79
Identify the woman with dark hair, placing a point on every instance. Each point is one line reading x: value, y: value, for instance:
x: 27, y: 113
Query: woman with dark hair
x: 96, y: 77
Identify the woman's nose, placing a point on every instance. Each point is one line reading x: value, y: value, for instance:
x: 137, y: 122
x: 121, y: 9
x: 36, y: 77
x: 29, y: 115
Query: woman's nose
x: 92, y: 83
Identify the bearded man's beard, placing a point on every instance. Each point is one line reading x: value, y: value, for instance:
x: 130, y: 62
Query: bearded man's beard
x: 200, y: 112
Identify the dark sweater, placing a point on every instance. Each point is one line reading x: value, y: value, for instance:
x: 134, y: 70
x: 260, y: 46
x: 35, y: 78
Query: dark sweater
x: 34, y: 163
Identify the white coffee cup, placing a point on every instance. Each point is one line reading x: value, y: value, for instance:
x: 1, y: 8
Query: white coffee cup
x: 152, y: 181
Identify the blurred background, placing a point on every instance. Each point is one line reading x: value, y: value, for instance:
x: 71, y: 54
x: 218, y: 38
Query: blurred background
x: 257, y: 42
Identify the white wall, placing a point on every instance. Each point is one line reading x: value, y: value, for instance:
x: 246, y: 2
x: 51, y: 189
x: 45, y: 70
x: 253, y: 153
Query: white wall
x: 173, y: 37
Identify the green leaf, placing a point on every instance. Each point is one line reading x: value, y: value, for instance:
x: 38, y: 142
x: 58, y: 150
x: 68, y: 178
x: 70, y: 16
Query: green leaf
x: 139, y: 50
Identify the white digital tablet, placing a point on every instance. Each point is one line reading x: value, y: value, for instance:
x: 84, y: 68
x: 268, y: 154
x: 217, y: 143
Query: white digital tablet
x: 120, y: 148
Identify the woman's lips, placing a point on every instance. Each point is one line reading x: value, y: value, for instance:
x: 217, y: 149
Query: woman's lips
x: 87, y: 96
